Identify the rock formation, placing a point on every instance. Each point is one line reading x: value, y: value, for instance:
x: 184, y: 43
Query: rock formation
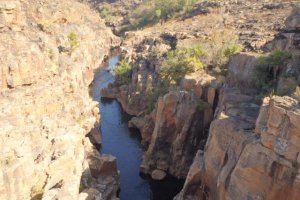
x: 181, y: 122
x: 239, y: 163
x: 49, y: 50
x: 250, y: 153
x: 218, y: 132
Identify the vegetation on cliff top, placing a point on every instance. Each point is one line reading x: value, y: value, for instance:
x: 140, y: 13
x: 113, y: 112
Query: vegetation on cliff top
x: 153, y: 11
x: 219, y: 48
x: 268, y: 70
x: 181, y: 62
x: 187, y: 60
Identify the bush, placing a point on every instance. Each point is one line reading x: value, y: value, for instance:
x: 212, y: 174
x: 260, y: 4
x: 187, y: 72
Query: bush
x: 275, y: 59
x: 152, y: 11
x: 181, y: 62
x: 220, y: 47
x: 108, y: 12
x: 123, y: 72
x: 267, y: 71
x: 105, y: 13
x: 296, y: 94
x: 232, y: 49
x: 73, y: 40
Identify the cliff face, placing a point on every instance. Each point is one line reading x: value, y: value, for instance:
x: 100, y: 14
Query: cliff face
x: 243, y: 146
x: 48, y: 52
x: 239, y: 163
x: 176, y: 128
x: 252, y: 150
x: 181, y: 122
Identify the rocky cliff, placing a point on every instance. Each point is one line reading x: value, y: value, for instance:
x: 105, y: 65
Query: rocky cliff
x: 49, y: 50
x: 252, y: 150
x: 176, y: 128
x: 243, y: 144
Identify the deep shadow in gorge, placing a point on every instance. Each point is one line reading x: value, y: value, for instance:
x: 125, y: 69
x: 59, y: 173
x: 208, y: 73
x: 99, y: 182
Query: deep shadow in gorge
x: 125, y: 144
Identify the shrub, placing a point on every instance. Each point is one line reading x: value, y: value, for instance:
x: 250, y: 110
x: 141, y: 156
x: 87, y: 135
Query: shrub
x: 123, y: 72
x: 181, y: 62
x: 267, y: 71
x: 296, y: 94
x: 108, y: 12
x: 220, y: 47
x: 105, y: 13
x: 152, y: 11
x: 275, y: 59
x: 232, y: 49
x: 73, y: 40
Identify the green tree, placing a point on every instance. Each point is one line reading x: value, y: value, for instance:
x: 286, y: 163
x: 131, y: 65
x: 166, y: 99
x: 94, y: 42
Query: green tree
x: 181, y: 62
x: 123, y: 72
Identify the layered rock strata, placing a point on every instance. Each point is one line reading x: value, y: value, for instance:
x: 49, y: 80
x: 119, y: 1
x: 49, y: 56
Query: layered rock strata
x: 181, y: 120
x: 239, y: 163
x: 175, y: 129
x: 49, y: 50
x: 252, y: 153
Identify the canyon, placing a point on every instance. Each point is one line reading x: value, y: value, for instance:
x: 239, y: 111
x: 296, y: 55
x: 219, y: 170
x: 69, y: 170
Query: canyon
x: 217, y: 130
x: 222, y: 130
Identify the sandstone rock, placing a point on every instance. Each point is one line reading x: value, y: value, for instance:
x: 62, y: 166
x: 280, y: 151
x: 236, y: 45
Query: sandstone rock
x: 95, y: 136
x: 242, y: 71
x: 238, y: 165
x: 158, y: 174
x: 278, y: 132
x: 293, y: 21
x: 11, y: 14
x: 250, y: 153
x: 145, y: 125
x: 192, y: 188
x: 177, y: 120
x: 108, y: 166
x: 90, y: 194
x: 46, y: 111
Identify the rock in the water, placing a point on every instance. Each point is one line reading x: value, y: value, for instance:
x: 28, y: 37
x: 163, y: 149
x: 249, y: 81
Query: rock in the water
x: 158, y: 174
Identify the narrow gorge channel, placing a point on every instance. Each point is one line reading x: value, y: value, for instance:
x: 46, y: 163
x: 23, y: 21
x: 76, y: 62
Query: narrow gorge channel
x: 124, y: 143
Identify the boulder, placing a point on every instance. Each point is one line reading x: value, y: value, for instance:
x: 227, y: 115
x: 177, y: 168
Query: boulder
x: 158, y: 174
x: 293, y: 21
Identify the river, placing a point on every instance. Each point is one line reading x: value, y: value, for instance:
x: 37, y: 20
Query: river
x: 124, y: 143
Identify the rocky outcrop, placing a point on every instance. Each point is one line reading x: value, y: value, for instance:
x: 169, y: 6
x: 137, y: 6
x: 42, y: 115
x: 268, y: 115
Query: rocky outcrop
x: 145, y: 49
x: 289, y: 38
x: 252, y: 149
x: 180, y: 128
x: 239, y: 163
x: 48, y: 54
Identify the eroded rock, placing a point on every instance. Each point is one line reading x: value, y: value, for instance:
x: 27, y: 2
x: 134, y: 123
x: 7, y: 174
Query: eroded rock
x: 45, y: 109
x: 158, y: 174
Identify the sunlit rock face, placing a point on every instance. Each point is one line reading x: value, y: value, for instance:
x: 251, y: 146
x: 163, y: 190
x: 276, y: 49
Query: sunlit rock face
x: 252, y: 151
x: 48, y: 52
